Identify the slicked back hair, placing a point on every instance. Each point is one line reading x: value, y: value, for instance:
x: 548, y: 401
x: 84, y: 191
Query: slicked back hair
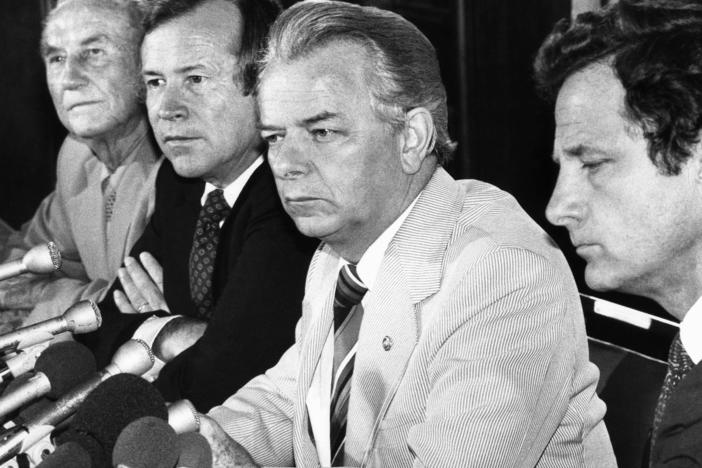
x: 257, y: 17
x: 655, y: 49
x: 403, y: 72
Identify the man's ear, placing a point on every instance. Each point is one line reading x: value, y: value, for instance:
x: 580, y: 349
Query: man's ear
x: 418, y: 139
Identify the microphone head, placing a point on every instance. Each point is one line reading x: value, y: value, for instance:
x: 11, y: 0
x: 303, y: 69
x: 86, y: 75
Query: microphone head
x: 67, y: 454
x: 45, y: 258
x: 133, y: 357
x: 148, y: 442
x: 65, y: 364
x: 83, y: 317
x: 194, y: 450
x: 183, y: 417
x: 114, y: 404
x: 95, y: 452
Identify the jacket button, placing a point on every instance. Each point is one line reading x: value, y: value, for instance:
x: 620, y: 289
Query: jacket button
x: 387, y: 343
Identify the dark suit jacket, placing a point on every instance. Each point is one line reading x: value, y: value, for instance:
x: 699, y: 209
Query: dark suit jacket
x: 679, y: 442
x: 258, y: 286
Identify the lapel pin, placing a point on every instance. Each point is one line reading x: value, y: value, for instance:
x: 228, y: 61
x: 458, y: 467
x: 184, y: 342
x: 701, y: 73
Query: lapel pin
x: 387, y: 343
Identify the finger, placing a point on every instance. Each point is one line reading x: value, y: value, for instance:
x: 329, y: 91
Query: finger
x: 132, y: 293
x: 143, y: 283
x: 123, y: 303
x: 153, y: 268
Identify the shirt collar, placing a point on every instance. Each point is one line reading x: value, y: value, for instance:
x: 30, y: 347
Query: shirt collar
x: 690, y: 329
x: 233, y: 190
x: 369, y: 264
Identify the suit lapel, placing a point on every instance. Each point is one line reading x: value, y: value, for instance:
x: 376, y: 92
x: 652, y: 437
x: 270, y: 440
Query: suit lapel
x: 410, y: 273
x: 86, y: 211
x: 128, y: 221
x: 320, y: 303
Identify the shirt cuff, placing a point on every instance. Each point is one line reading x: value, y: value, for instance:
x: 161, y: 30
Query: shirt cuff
x: 147, y: 332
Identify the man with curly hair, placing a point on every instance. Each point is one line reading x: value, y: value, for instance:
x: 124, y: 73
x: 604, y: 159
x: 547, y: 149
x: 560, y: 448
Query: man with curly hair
x: 627, y: 84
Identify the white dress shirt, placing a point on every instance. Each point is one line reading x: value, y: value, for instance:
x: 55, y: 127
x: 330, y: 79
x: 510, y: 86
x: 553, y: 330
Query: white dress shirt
x: 691, y: 332
x: 149, y: 330
x: 319, y: 395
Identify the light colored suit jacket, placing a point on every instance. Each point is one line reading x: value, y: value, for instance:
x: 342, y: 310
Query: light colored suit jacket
x: 488, y: 365
x: 73, y: 217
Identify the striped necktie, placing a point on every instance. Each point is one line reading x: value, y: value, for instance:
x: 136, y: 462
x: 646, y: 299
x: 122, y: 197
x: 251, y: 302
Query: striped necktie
x: 679, y: 364
x: 204, y: 251
x: 348, y: 314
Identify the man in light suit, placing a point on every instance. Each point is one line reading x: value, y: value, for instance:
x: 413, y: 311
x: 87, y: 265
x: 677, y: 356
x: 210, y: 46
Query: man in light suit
x: 628, y: 105
x: 106, y: 166
x: 440, y: 326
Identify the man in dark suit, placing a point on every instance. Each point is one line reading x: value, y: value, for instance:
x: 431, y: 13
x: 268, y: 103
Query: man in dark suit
x: 627, y: 86
x: 220, y: 259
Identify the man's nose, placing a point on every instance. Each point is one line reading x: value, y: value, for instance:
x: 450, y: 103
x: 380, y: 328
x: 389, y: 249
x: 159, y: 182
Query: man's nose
x: 172, y: 105
x: 73, y: 75
x: 567, y: 204
x: 287, y: 159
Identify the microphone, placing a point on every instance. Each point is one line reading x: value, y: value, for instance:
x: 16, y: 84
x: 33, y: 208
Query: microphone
x: 20, y: 363
x: 44, y: 259
x: 68, y: 454
x: 133, y: 357
x: 146, y: 442
x: 61, y: 367
x: 183, y: 417
x: 194, y: 450
x: 81, y: 317
x: 116, y: 403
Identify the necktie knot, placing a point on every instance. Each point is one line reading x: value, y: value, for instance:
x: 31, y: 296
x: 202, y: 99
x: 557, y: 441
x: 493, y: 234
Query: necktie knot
x: 215, y: 208
x: 349, y: 292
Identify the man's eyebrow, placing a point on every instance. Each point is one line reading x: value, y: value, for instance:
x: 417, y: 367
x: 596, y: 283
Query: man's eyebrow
x: 95, y: 38
x: 322, y: 116
x: 582, y: 149
x: 319, y: 118
x: 46, y: 49
x: 263, y: 127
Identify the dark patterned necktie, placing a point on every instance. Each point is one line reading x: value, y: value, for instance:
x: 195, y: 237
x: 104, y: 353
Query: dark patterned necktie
x: 348, y: 314
x: 109, y: 198
x: 204, y: 251
x: 679, y: 364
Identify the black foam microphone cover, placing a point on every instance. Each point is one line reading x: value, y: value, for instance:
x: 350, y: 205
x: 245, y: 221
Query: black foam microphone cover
x: 95, y: 452
x: 194, y: 451
x: 148, y: 442
x: 114, y: 404
x: 68, y: 454
x: 65, y: 364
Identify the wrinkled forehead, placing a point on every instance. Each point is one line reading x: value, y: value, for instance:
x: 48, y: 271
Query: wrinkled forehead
x: 78, y: 18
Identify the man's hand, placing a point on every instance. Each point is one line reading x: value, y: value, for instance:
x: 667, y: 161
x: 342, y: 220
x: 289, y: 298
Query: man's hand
x: 143, y: 286
x: 176, y: 336
x: 226, y: 452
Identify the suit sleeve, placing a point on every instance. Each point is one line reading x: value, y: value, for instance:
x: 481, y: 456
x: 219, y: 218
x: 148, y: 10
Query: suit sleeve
x: 253, y: 320
x: 51, y: 223
x: 500, y: 379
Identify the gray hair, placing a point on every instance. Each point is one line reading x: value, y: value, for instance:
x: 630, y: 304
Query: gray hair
x: 405, y: 70
x: 132, y: 9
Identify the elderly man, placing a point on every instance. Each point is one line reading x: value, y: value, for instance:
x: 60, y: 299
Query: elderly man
x: 219, y: 252
x: 627, y: 84
x: 440, y: 326
x: 106, y: 166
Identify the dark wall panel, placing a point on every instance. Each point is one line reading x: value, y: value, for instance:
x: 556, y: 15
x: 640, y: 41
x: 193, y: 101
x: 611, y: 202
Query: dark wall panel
x: 29, y: 130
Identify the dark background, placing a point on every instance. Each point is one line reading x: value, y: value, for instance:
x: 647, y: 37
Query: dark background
x: 485, y: 48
